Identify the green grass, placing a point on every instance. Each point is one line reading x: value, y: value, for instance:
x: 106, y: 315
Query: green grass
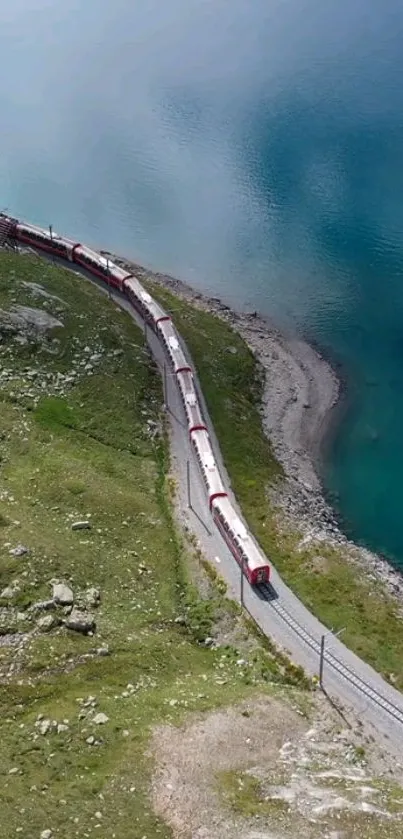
x: 338, y: 594
x: 81, y: 448
x: 243, y: 793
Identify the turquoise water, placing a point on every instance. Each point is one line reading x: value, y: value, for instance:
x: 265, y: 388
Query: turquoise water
x: 253, y: 149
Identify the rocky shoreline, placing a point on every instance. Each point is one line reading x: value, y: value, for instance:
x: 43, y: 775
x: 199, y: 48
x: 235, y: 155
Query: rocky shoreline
x: 301, y: 392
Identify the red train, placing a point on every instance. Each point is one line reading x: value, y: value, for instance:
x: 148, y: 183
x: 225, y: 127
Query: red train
x: 233, y: 531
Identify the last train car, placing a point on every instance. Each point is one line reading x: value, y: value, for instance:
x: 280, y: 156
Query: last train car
x: 251, y: 559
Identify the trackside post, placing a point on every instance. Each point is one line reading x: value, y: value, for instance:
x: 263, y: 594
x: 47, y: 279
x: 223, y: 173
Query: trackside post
x: 188, y: 483
x: 322, y: 660
x: 242, y: 578
x: 165, y: 387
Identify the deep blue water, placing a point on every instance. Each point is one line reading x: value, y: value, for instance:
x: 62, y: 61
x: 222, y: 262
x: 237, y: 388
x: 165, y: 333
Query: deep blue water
x: 252, y: 148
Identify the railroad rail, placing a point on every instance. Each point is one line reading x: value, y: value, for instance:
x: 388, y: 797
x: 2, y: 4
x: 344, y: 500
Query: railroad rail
x: 338, y: 666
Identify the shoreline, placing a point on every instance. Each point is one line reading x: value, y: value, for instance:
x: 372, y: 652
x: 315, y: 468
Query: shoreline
x: 302, y: 400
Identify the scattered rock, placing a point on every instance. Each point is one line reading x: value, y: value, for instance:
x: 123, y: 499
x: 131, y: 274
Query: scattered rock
x: 93, y: 597
x: 103, y: 651
x: 100, y: 719
x: 80, y: 622
x: 44, y: 726
x: 81, y: 525
x: 19, y: 550
x: 61, y: 727
x: 43, y: 606
x: 62, y: 594
x: 10, y: 591
x: 37, y: 319
x: 90, y: 740
x: 48, y: 622
x: 180, y: 620
x: 46, y: 834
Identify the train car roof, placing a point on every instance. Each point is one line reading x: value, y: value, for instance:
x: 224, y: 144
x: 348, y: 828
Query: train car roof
x: 153, y: 307
x: 256, y: 557
x: 172, y: 339
x: 102, y: 260
x: 42, y: 231
x: 202, y: 439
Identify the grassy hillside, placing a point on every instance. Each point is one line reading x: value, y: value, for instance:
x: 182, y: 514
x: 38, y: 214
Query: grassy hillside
x: 82, y: 440
x: 331, y: 587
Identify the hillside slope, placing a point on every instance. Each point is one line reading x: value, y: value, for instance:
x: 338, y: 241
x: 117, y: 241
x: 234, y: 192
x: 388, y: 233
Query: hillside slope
x: 83, y: 441
x: 135, y: 701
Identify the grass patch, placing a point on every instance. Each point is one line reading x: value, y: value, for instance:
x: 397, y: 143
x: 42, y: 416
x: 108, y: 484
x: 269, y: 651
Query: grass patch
x: 79, y: 407
x: 243, y: 793
x: 338, y: 594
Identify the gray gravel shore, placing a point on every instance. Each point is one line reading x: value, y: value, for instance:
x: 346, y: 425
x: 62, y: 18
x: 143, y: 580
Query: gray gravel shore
x: 301, y: 389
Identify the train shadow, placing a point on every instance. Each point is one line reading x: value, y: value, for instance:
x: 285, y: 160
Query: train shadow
x: 267, y: 592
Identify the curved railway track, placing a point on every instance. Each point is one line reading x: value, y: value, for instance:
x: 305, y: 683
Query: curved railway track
x: 383, y: 710
x: 331, y: 660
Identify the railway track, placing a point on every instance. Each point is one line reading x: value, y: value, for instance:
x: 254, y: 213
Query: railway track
x: 362, y: 687
x: 345, y: 672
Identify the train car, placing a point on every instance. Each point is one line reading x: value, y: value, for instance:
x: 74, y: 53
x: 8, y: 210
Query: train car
x: 208, y: 467
x: 142, y: 301
x: 253, y: 562
x: 194, y: 417
x: 101, y: 266
x: 46, y: 240
x: 117, y: 275
x: 179, y: 362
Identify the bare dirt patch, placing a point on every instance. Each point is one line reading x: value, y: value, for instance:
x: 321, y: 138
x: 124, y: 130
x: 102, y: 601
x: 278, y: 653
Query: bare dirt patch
x: 262, y: 770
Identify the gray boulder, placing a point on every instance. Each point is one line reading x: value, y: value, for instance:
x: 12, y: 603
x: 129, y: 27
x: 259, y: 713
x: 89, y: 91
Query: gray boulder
x: 10, y: 591
x: 48, y: 622
x: 80, y: 621
x: 93, y: 597
x: 19, y: 550
x: 62, y: 594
